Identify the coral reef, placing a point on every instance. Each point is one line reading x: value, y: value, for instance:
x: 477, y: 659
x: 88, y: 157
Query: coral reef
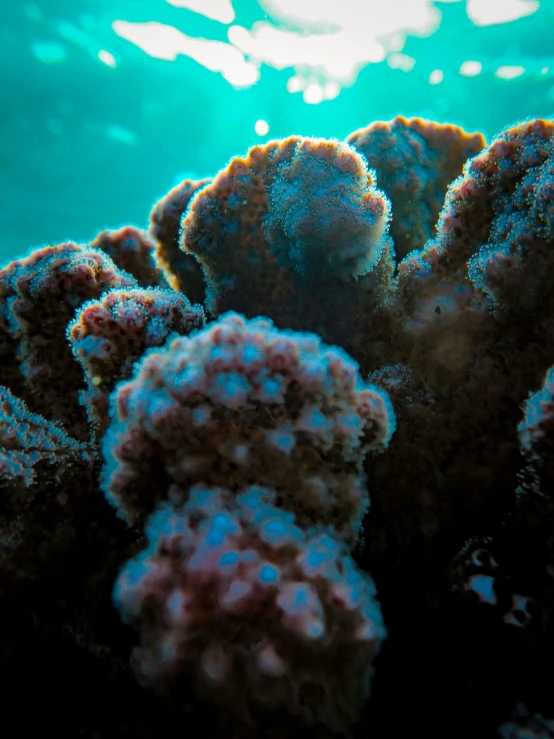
x: 415, y: 161
x: 313, y: 401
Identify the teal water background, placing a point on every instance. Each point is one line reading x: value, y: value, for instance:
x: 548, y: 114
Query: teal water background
x: 95, y: 128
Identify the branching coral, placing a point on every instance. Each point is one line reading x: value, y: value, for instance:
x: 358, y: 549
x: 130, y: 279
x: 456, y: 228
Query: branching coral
x: 38, y: 461
x: 183, y: 272
x: 415, y: 161
x: 216, y: 562
x: 38, y: 296
x: 242, y: 403
x: 109, y: 335
x: 251, y: 447
x: 303, y: 216
x: 28, y: 441
x: 477, y: 340
x: 133, y: 251
x: 493, y: 235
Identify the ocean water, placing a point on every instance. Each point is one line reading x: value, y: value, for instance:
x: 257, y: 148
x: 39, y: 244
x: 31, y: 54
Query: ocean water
x: 105, y: 105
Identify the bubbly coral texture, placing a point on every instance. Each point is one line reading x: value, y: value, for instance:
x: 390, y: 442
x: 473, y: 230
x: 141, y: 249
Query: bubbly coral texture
x: 28, y: 441
x: 495, y: 227
x: 109, y: 335
x: 242, y: 402
x: 219, y: 559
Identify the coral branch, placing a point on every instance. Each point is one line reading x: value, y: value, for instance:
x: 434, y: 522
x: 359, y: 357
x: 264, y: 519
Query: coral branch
x: 38, y: 297
x: 133, y: 251
x: 415, y: 160
x: 182, y: 271
x: 242, y: 403
x: 109, y: 335
x: 256, y: 614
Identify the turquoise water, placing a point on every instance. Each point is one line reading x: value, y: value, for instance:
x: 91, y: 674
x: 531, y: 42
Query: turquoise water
x: 107, y: 104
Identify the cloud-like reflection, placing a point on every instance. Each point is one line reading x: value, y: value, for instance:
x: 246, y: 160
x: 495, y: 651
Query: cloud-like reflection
x: 217, y: 10
x: 491, y: 12
x: 323, y: 42
x: 167, y: 42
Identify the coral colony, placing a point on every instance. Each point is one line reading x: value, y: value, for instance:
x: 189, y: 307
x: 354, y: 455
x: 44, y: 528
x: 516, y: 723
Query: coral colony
x: 282, y: 464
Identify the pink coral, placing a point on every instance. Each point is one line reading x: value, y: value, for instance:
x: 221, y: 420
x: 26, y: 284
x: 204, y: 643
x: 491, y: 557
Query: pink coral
x: 242, y: 403
x: 257, y: 614
x: 109, y: 335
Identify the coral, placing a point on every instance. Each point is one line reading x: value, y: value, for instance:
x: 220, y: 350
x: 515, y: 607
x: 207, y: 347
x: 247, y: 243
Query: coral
x: 478, y: 341
x: 182, y: 271
x: 536, y: 429
x: 527, y: 726
x: 28, y: 441
x: 133, y: 251
x: 243, y: 403
x: 37, y: 460
x: 251, y: 447
x: 220, y: 559
x: 38, y: 297
x: 509, y: 574
x: 401, y: 511
x: 109, y: 335
x: 494, y: 231
x: 271, y: 245
x: 415, y: 160
x: 525, y: 545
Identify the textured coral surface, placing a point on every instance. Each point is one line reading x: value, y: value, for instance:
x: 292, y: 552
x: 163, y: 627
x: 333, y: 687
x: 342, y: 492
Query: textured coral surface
x: 282, y: 465
x: 219, y: 559
x: 415, y: 161
x: 242, y: 403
